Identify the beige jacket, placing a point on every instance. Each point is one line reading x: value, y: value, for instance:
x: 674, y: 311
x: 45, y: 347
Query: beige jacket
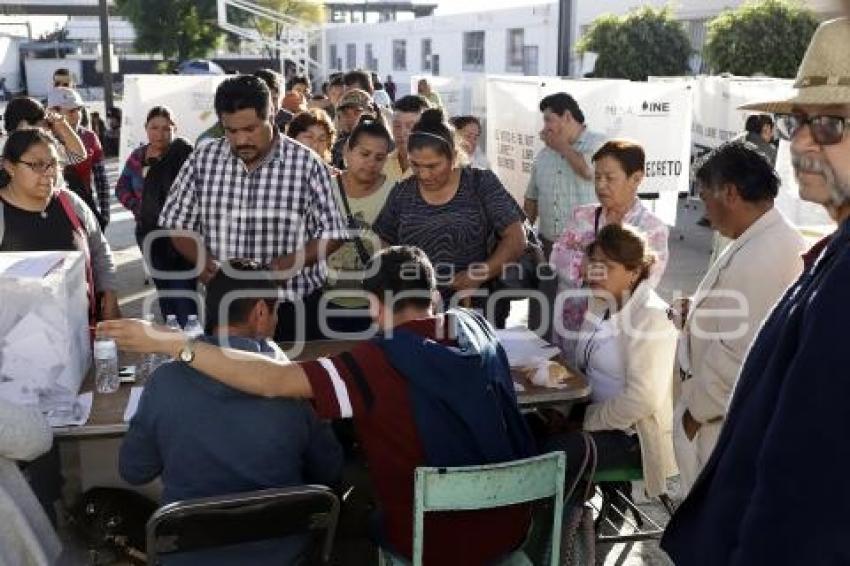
x: 26, y: 536
x: 648, y: 342
x: 746, y: 281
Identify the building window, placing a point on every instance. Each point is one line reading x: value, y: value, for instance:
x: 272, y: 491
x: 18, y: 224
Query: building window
x: 371, y: 62
x: 351, y: 56
x: 514, y: 57
x: 426, y: 55
x: 473, y: 51
x: 399, y: 55
x: 530, y: 58
x: 332, y: 62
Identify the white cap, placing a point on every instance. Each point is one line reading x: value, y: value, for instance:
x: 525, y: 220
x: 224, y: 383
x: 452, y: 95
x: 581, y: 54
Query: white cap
x: 64, y: 98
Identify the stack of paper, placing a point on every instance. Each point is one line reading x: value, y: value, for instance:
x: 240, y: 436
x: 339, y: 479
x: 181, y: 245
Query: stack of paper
x: 133, y: 402
x: 525, y: 348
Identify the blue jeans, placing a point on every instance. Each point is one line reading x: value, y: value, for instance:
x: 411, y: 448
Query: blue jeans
x: 163, y: 257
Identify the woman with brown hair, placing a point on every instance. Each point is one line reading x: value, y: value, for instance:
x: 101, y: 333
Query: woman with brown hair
x: 142, y: 188
x: 314, y: 129
x: 618, y: 172
x: 626, y: 350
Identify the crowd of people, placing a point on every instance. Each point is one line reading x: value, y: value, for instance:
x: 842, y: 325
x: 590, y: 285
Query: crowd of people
x: 339, y: 215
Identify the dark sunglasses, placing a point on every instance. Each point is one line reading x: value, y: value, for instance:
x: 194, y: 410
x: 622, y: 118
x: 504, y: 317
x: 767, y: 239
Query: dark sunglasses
x: 826, y: 130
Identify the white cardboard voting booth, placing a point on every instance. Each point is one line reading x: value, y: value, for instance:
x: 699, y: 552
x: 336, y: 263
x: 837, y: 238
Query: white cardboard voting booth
x: 45, y: 350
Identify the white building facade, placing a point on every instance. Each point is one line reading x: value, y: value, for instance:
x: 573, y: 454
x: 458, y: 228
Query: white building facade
x: 512, y: 41
x: 519, y: 40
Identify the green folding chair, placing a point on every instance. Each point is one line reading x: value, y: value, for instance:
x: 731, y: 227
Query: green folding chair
x: 642, y: 526
x: 486, y: 487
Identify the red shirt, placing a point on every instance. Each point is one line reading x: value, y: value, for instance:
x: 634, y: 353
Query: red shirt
x: 387, y: 431
x: 94, y: 153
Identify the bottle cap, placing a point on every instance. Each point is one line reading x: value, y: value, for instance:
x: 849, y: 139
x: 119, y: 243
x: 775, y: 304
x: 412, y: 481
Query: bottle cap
x: 105, y: 348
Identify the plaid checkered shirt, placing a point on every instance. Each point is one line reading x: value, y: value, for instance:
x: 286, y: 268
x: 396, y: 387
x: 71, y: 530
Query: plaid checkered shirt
x: 271, y: 211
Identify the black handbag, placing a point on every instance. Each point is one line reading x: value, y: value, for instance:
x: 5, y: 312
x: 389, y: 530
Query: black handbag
x: 525, y: 273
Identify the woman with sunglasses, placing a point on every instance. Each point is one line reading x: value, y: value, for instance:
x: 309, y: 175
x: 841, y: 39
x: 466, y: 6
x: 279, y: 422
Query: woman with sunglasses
x: 142, y: 188
x: 627, y: 352
x: 618, y: 167
x: 38, y: 214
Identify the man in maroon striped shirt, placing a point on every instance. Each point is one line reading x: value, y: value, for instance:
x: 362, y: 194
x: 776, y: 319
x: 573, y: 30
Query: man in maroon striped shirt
x: 363, y: 385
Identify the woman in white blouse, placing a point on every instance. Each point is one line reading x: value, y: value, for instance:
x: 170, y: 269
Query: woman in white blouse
x: 26, y: 536
x: 627, y: 352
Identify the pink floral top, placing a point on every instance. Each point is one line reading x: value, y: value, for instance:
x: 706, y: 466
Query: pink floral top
x: 568, y: 255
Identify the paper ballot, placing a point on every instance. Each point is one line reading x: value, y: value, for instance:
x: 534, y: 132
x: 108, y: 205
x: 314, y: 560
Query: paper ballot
x: 525, y: 348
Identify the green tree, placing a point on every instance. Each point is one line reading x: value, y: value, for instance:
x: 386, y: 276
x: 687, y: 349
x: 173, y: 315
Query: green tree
x: 184, y: 29
x: 180, y: 29
x: 644, y: 42
x: 308, y: 11
x: 768, y: 36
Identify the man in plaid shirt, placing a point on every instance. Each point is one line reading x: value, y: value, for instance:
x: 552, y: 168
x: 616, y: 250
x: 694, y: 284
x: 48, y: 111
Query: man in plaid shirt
x: 259, y: 195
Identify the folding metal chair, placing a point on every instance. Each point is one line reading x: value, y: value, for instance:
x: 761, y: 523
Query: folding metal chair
x: 487, y: 487
x: 211, y: 522
x: 642, y: 526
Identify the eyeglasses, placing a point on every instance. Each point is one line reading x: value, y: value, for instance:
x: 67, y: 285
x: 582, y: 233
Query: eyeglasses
x: 826, y: 130
x: 59, y: 84
x: 42, y: 167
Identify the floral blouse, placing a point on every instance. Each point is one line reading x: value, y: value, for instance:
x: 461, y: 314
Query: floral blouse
x: 568, y: 255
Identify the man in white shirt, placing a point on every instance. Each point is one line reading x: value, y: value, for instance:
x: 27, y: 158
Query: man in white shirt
x: 738, y: 187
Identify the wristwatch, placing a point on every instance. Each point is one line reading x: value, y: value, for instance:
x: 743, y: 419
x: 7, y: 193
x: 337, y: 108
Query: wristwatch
x: 186, y: 354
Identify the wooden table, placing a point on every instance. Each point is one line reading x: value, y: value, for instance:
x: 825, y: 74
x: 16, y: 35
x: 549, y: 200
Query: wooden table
x: 107, y: 414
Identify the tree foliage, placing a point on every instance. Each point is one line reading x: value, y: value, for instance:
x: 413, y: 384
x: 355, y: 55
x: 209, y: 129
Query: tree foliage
x: 309, y: 11
x: 180, y: 29
x: 766, y: 37
x: 644, y: 42
x: 184, y: 29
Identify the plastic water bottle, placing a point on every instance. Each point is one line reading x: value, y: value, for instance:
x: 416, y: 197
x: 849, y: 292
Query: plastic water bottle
x: 193, y: 328
x: 106, y: 378
x: 150, y: 361
x: 172, y: 323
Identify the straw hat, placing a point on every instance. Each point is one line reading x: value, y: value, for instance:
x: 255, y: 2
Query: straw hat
x: 824, y: 75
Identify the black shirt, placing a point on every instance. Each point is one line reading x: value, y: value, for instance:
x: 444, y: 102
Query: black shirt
x: 27, y: 231
x: 455, y: 234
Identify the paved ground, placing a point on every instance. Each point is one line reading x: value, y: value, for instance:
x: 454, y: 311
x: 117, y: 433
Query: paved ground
x: 690, y: 247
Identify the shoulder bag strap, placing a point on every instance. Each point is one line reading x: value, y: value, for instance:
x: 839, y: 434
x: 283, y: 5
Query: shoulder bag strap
x: 597, y: 217
x: 352, y: 224
x: 82, y: 235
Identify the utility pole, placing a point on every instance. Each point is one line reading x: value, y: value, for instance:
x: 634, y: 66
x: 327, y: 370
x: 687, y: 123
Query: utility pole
x: 106, y: 54
x: 566, y: 12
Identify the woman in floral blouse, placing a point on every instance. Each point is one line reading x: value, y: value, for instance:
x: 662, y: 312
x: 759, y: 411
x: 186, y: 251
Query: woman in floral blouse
x: 619, y: 170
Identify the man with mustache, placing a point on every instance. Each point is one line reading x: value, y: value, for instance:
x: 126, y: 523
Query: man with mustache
x: 786, y: 430
x: 259, y: 195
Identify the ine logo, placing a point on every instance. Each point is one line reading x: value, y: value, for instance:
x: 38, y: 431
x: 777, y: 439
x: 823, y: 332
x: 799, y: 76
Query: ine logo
x: 655, y: 108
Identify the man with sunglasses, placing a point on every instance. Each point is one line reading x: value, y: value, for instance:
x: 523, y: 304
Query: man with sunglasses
x: 756, y: 500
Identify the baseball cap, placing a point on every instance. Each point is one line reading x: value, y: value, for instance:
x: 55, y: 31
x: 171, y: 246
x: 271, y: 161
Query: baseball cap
x: 355, y: 98
x: 64, y: 98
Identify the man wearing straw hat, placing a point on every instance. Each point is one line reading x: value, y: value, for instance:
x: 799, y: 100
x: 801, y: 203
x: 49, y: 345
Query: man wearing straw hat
x: 757, y: 500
